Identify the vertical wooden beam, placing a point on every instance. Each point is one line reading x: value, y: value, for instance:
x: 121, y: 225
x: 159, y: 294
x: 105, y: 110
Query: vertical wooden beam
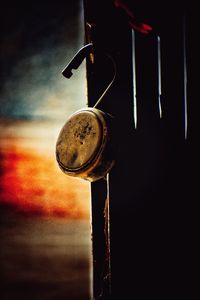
x: 99, y: 74
x: 111, y: 36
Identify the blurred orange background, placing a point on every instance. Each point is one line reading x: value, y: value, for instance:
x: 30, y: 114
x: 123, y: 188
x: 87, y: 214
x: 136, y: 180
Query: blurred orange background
x: 31, y: 180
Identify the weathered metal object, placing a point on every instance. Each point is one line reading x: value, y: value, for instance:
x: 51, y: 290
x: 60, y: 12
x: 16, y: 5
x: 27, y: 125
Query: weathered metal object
x: 84, y: 147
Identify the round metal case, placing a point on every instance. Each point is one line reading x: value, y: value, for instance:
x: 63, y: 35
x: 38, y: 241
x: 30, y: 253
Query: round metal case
x: 84, y: 148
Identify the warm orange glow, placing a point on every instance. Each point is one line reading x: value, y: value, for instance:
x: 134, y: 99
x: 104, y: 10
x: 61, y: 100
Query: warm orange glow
x: 30, y: 178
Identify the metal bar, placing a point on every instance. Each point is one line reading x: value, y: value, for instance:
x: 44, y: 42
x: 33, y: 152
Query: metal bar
x: 159, y: 76
x: 134, y: 80
x: 185, y: 79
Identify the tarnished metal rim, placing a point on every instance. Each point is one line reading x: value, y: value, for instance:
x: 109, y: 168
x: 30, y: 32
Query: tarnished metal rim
x: 90, y: 165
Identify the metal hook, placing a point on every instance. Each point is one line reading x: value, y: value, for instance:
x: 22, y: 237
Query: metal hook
x: 77, y: 60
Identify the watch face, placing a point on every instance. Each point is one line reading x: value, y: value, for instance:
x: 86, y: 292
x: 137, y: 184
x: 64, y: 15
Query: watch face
x: 79, y: 141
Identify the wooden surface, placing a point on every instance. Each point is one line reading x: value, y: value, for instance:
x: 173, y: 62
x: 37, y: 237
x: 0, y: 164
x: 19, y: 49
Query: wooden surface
x: 153, y: 178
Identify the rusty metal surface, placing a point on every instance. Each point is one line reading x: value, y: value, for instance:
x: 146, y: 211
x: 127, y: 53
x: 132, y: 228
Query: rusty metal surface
x: 79, y: 140
x: 83, y: 147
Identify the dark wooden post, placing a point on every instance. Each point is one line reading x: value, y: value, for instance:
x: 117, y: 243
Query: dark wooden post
x: 110, y: 36
x: 150, y: 181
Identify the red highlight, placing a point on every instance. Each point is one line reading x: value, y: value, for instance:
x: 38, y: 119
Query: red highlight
x: 132, y: 21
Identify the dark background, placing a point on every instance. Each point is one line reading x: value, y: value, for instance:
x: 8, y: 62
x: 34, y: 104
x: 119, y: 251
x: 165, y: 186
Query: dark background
x: 154, y: 183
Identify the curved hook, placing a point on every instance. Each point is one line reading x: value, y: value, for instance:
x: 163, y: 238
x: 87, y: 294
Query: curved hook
x: 110, y: 84
x: 77, y: 60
